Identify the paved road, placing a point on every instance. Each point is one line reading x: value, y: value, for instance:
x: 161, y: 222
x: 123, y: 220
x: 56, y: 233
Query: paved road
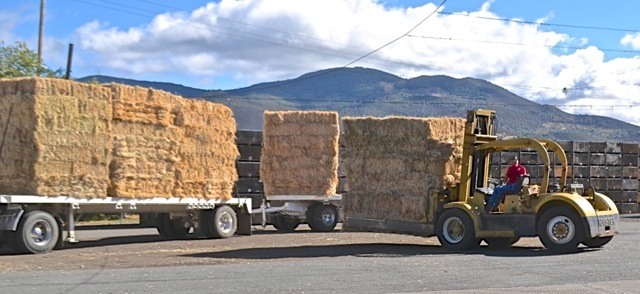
x: 305, y: 262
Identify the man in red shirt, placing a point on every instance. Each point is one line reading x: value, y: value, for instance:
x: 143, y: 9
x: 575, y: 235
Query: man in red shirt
x: 513, y: 173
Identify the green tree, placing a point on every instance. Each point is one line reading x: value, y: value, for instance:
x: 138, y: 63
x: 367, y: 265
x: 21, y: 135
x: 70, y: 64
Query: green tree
x: 20, y: 61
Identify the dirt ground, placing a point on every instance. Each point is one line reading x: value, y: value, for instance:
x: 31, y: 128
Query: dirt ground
x: 129, y: 246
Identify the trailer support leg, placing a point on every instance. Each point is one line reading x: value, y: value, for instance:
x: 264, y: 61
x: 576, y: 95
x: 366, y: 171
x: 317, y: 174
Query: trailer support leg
x: 71, y: 225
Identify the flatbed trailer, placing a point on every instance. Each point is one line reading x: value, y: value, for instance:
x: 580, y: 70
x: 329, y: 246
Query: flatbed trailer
x: 35, y: 224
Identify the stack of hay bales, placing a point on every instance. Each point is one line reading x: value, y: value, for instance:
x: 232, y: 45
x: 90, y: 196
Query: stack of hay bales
x: 92, y: 141
x: 146, y: 142
x: 56, y: 138
x: 394, y: 164
x: 300, y: 153
x: 168, y: 146
x: 208, y: 151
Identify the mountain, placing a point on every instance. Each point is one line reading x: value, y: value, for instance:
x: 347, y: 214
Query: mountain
x: 167, y: 87
x: 369, y: 92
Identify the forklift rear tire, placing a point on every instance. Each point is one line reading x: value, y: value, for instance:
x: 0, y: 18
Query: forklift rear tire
x: 455, y: 230
x: 560, y: 229
x: 596, y: 242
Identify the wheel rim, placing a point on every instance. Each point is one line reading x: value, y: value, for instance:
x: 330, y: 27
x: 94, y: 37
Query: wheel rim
x: 225, y: 222
x: 41, y: 233
x: 453, y: 230
x: 561, y: 229
x: 328, y: 217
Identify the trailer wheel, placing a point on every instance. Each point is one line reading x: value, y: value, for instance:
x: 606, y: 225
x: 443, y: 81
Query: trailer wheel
x: 560, y: 229
x: 37, y: 232
x: 322, y: 217
x: 285, y: 223
x: 171, y: 228
x: 225, y: 222
x: 596, y: 242
x: 455, y: 230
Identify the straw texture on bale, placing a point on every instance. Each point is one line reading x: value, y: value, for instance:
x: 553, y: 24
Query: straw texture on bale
x: 394, y: 164
x: 56, y: 137
x: 300, y: 153
x: 88, y: 141
x: 166, y: 146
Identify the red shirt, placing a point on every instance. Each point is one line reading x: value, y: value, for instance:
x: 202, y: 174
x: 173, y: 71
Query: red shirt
x: 514, y: 172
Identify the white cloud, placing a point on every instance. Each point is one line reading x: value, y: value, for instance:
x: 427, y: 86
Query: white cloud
x: 632, y: 40
x: 258, y: 41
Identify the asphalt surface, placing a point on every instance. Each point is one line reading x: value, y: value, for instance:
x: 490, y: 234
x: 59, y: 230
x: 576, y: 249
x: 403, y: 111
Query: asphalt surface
x: 133, y: 260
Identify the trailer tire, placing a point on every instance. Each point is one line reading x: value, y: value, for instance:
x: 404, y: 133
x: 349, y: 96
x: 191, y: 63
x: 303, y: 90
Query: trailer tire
x: 225, y: 222
x: 38, y: 232
x: 455, y: 230
x: 285, y: 223
x: 560, y: 229
x: 322, y: 217
x: 596, y: 242
x: 171, y: 228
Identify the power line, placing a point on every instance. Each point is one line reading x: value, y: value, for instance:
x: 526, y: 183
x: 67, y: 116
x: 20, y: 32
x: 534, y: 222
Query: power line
x: 439, y: 103
x: 540, y: 23
x: 233, y: 32
x: 359, y: 58
x: 520, y: 44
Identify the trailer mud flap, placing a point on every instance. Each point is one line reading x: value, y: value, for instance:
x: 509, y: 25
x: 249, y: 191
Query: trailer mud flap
x: 9, y: 218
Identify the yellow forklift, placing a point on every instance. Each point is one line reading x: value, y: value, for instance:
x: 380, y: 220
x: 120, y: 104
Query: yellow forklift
x: 561, y: 217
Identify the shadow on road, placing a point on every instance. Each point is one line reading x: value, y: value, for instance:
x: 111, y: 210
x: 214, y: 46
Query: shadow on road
x: 365, y: 250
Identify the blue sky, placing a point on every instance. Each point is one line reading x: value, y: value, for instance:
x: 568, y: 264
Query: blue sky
x: 532, y: 48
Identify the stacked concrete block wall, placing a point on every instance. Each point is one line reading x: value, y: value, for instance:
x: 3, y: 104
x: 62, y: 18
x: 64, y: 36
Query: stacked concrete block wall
x: 249, y: 184
x: 611, y: 168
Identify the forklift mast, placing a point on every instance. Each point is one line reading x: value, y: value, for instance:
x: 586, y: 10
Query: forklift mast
x: 479, y: 129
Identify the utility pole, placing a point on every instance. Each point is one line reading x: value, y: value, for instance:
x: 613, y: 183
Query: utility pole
x: 42, y: 3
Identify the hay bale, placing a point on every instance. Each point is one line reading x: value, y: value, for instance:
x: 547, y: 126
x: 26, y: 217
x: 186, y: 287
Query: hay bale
x: 395, y: 163
x: 68, y: 138
x: 57, y: 137
x: 168, y: 146
x: 300, y: 153
x: 143, y: 105
x: 208, y: 152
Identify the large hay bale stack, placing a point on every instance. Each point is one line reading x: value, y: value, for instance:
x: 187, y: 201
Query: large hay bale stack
x: 168, y: 146
x: 208, y: 152
x: 395, y: 163
x: 67, y: 138
x: 145, y: 142
x: 56, y: 138
x: 300, y: 153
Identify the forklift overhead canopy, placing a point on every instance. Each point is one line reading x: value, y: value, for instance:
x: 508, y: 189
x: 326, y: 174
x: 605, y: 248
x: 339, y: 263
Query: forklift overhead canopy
x: 540, y: 146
